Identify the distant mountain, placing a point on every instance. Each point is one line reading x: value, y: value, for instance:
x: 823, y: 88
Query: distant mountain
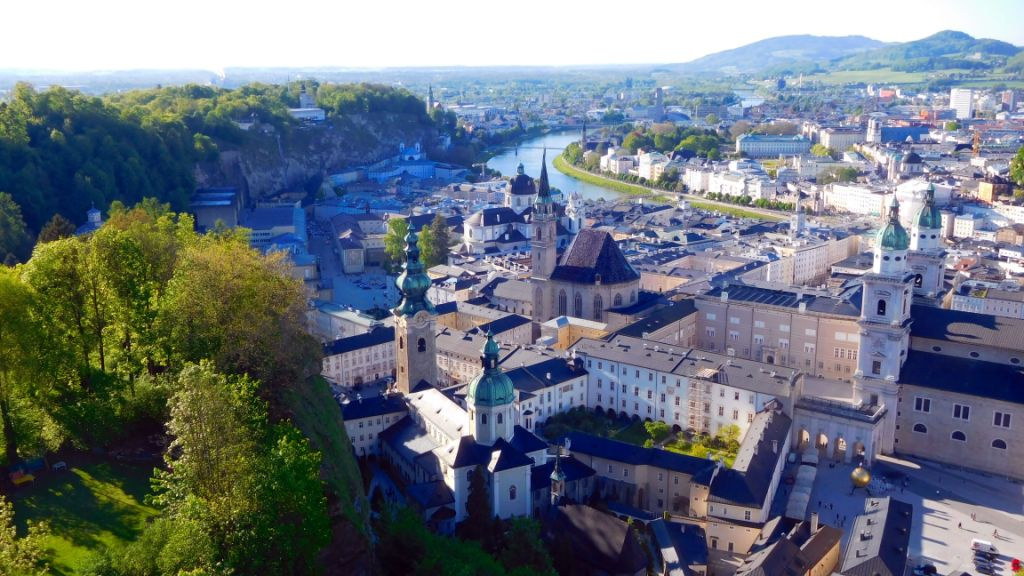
x: 780, y: 52
x: 943, y: 50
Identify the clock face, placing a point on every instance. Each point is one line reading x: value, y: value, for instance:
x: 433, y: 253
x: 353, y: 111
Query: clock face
x: 420, y: 319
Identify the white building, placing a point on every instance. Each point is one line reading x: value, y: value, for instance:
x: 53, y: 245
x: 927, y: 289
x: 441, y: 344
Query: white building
x: 760, y: 146
x: 855, y: 199
x: 359, y: 359
x: 962, y: 101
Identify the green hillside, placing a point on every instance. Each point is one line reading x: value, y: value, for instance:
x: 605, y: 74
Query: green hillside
x: 944, y: 50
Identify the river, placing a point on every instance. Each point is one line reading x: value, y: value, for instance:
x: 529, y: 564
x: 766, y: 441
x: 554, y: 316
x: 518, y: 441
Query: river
x: 530, y: 152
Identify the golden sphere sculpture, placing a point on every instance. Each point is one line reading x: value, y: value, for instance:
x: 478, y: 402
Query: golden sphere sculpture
x: 860, y: 477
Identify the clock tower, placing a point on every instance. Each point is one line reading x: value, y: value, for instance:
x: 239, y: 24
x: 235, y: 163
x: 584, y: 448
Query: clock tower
x: 415, y: 336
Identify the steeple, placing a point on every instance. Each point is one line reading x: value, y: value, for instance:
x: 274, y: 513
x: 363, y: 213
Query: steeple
x: 430, y: 98
x: 490, y: 398
x: 413, y: 283
x: 543, y: 205
x: 891, y: 244
x: 557, y: 479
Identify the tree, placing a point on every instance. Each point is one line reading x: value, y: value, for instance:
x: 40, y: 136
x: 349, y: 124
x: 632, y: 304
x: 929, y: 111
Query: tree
x: 21, y: 555
x: 729, y: 437
x: 636, y: 140
x: 951, y: 126
x: 253, y: 488
x: 394, y: 242
x: 1017, y: 167
x: 58, y: 227
x: 739, y: 128
x: 657, y: 430
x: 14, y: 238
x: 425, y: 243
x: 821, y: 150
x: 523, y: 548
x: 19, y: 339
x: 477, y: 524
x: 711, y: 119
x: 439, y: 241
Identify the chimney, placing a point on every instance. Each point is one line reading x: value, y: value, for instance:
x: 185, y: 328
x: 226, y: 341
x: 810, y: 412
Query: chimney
x: 814, y: 522
x: 548, y: 375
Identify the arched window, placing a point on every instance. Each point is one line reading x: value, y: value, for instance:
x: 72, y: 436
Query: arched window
x: 999, y: 444
x: 401, y: 343
x: 632, y: 296
x: 512, y: 492
x: 598, y: 306
x: 483, y: 418
x: 577, y: 305
x: 617, y: 301
x: 501, y: 418
x: 920, y: 428
x: 421, y: 345
x: 881, y: 307
x: 540, y: 233
x: 563, y: 304
x: 918, y: 280
x: 959, y: 436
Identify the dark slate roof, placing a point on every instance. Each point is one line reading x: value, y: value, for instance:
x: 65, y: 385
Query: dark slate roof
x: 511, y: 237
x: 964, y: 376
x: 431, y: 494
x: 373, y: 406
x: 526, y: 441
x: 884, y: 552
x: 521, y: 184
x: 540, y: 476
x: 494, y: 216
x: 748, y: 482
x: 418, y: 221
x: 503, y: 324
x: 509, y: 457
x: 636, y: 455
x: 535, y: 376
x: 469, y: 453
x: 447, y: 308
x: 967, y: 328
x: 599, y: 541
x: 594, y: 255
x: 848, y: 304
x: 660, y: 318
x: 359, y: 341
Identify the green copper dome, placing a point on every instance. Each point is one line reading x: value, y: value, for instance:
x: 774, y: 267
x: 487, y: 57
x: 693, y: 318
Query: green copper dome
x: 493, y: 387
x: 894, y: 236
x: 413, y: 283
x: 929, y: 218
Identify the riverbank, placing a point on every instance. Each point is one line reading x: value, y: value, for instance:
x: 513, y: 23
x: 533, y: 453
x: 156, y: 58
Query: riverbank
x: 660, y: 195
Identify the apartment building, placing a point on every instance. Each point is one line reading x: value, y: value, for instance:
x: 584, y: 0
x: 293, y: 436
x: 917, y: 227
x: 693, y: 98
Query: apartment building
x: 359, y: 359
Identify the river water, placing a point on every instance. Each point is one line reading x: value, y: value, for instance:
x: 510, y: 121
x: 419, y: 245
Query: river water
x: 530, y: 153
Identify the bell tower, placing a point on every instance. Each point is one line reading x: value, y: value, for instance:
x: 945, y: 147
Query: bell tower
x: 926, y: 254
x: 543, y: 243
x: 415, y: 336
x: 885, y: 324
x: 490, y: 398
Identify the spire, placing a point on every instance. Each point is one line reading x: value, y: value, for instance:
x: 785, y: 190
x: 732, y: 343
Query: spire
x: 543, y: 189
x: 490, y: 353
x: 413, y: 283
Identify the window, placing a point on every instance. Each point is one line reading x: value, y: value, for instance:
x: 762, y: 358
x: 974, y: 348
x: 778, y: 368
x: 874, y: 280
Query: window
x: 598, y: 383
x: 958, y: 436
x: 469, y: 475
x: 617, y: 300
x: 721, y: 410
x: 920, y: 428
x: 881, y: 307
x: 961, y: 412
x: 808, y: 348
x: 609, y: 468
x: 625, y: 472
x: 598, y: 306
x: 733, y: 335
x: 483, y: 418
x: 1001, y: 419
x: 810, y: 332
x: 999, y: 444
x: 710, y: 316
x: 923, y: 404
x: 876, y: 369
x: 563, y: 306
x: 734, y: 320
x: 735, y: 414
x: 758, y: 339
x: 401, y: 343
x: 501, y: 418
x: 421, y: 345
x: 758, y: 323
x: 710, y: 332
x: 578, y: 305
x: 783, y: 327
x: 746, y: 515
x: 512, y: 492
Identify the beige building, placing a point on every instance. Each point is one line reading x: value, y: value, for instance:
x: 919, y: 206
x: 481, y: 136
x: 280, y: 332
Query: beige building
x: 562, y: 332
x: 359, y: 359
x: 808, y: 331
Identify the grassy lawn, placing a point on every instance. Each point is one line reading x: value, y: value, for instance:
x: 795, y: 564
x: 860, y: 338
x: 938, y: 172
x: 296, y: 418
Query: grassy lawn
x: 635, y: 433
x: 699, y: 450
x: 92, y: 505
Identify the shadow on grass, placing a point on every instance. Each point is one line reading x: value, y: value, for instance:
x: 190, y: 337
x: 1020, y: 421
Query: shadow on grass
x: 89, y: 507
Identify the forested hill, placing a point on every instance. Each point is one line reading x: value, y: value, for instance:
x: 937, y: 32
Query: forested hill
x: 63, y: 152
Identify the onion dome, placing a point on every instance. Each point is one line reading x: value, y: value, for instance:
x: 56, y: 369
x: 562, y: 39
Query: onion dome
x: 413, y: 282
x: 521, y: 183
x: 493, y: 387
x: 929, y: 218
x: 894, y: 236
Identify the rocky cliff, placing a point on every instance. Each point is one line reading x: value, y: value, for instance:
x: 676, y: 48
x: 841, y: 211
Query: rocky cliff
x: 269, y: 160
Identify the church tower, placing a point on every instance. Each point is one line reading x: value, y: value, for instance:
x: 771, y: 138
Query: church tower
x: 575, y: 213
x: 544, y: 242
x: 430, y: 99
x: 885, y: 324
x: 926, y: 254
x: 415, y: 337
x: 491, y: 398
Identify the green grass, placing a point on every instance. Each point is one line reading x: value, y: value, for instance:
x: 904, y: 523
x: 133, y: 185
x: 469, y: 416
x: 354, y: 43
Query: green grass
x: 94, y: 505
x: 635, y: 433
x: 700, y: 451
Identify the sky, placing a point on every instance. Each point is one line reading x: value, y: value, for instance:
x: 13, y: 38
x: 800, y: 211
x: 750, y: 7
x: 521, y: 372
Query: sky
x: 213, y: 34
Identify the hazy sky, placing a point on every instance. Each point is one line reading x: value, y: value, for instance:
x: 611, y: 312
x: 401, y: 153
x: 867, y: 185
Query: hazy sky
x: 210, y: 34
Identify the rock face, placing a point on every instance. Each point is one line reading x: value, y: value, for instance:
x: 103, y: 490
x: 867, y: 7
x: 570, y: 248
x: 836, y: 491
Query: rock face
x: 269, y: 161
